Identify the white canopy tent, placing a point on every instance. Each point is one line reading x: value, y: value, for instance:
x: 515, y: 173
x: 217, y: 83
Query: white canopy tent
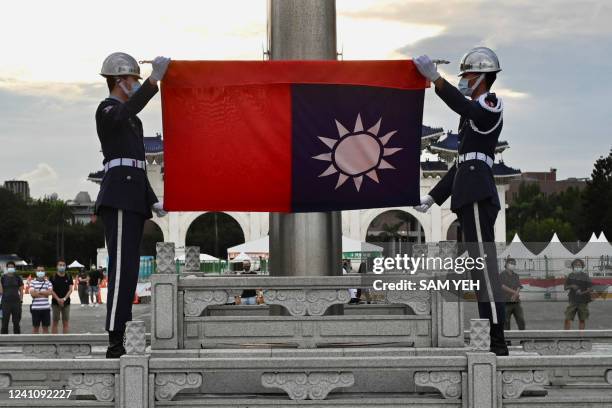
x: 203, y: 258
x: 76, y: 264
x: 257, y: 246
x: 555, y: 258
x: 555, y: 249
x: 603, y: 238
x: 354, y: 245
x: 241, y: 258
x: 517, y: 250
x: 595, y: 248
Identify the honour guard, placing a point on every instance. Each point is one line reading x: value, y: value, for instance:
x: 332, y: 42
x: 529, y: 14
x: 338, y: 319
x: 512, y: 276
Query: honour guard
x: 126, y: 198
x: 469, y: 182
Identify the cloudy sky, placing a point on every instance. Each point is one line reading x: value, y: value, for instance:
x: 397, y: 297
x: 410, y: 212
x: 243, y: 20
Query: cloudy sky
x: 556, y: 56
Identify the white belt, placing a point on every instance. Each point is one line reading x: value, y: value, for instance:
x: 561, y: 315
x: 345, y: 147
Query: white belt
x: 140, y: 164
x: 476, y: 156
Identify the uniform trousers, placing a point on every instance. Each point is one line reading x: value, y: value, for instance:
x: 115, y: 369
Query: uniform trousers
x: 11, y: 310
x: 123, y: 232
x: 477, y: 221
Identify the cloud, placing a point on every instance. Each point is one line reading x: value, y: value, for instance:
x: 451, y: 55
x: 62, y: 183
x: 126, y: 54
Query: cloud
x: 361, y: 38
x: 68, y: 91
x: 501, y: 21
x: 43, y: 174
x: 511, y: 94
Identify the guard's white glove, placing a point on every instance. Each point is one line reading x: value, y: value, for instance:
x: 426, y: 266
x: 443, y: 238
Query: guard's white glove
x: 160, y: 66
x: 158, y: 209
x: 426, y: 67
x: 426, y: 202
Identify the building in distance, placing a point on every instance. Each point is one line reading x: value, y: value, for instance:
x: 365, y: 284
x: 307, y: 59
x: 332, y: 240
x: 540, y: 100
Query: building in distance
x: 82, y: 208
x: 20, y: 188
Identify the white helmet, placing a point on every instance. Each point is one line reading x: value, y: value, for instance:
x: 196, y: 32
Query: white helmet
x: 479, y: 60
x: 120, y: 63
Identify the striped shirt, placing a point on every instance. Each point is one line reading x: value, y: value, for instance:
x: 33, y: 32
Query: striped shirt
x: 40, y: 303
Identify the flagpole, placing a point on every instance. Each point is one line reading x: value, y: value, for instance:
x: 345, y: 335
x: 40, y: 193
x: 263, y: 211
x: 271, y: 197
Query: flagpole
x: 305, y: 244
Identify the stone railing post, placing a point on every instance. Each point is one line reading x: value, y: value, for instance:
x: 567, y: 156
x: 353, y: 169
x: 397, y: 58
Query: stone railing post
x: 447, y: 307
x: 482, y: 380
x: 480, y: 334
x: 165, y: 311
x: 164, y: 257
x: 192, y: 259
x: 134, y: 368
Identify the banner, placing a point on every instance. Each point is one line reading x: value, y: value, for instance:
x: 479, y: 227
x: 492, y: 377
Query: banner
x: 291, y: 136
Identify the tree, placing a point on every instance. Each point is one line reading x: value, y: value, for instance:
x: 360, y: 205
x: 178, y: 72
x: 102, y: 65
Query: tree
x: 597, y: 197
x: 573, y: 214
x: 13, y: 222
x: 41, y: 230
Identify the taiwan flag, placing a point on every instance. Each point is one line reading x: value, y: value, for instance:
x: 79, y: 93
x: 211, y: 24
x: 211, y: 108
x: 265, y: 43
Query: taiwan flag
x: 291, y: 136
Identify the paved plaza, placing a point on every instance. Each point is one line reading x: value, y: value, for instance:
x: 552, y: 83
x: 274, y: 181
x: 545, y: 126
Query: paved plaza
x: 539, y: 315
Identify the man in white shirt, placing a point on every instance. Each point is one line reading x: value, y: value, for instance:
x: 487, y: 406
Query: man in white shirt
x: 40, y: 290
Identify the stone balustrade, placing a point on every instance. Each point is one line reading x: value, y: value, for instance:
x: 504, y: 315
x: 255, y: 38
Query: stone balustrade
x: 556, y: 342
x: 96, y: 378
x: 186, y: 313
x: 387, y: 377
x: 190, y: 310
x: 55, y: 345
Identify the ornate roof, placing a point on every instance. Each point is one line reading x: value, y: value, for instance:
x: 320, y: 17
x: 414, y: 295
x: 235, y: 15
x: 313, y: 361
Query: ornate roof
x: 96, y: 176
x: 435, y: 166
x: 447, y: 147
x: 82, y: 198
x: 500, y: 170
x: 430, y: 135
x: 154, y: 145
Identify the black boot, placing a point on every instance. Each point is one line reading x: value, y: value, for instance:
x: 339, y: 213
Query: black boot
x: 498, y: 342
x: 115, y: 344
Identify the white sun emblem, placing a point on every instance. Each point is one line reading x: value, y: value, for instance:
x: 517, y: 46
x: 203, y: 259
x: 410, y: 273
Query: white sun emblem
x: 357, y: 153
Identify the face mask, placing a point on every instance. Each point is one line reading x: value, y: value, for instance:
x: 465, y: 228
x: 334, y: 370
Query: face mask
x: 40, y: 274
x: 578, y: 269
x: 129, y: 92
x: 510, y: 267
x: 465, y: 88
x: 61, y: 269
x: 10, y: 270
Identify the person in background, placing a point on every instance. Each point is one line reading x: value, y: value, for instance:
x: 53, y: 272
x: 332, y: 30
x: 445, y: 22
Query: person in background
x: 11, y: 292
x: 248, y: 296
x: 511, y: 286
x: 94, y: 287
x: 83, y: 288
x: 62, y: 289
x: 579, y: 285
x: 363, y: 269
x: 40, y: 290
x: 353, y: 293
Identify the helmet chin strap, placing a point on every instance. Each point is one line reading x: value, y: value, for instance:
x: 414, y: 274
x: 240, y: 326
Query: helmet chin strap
x: 476, y: 84
x: 123, y: 87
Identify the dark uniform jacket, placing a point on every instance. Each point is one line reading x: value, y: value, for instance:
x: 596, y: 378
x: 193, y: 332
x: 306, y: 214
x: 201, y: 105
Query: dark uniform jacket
x: 121, y: 136
x: 479, y: 129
